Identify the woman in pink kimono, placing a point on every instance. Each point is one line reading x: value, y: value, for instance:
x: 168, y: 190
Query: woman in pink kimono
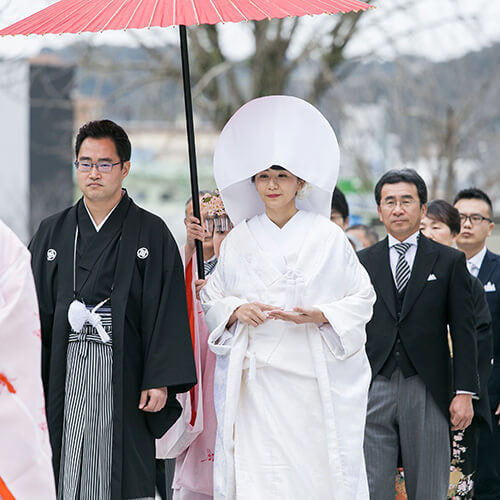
x: 25, y: 456
x: 192, y: 439
x: 286, y: 308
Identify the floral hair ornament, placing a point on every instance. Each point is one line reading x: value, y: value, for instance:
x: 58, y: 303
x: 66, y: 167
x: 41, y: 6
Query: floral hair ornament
x: 215, y: 218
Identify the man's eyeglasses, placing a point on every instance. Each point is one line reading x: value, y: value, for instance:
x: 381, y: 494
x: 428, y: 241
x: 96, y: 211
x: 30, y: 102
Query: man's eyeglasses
x: 475, y: 219
x: 101, y: 166
x: 392, y: 204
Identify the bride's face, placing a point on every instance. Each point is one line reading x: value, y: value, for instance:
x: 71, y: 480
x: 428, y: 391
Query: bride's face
x: 277, y: 188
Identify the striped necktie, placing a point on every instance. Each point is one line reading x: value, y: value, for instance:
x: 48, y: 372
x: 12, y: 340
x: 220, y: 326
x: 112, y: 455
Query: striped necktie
x: 403, y: 270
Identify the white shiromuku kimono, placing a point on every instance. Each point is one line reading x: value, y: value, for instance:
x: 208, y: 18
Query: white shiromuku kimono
x: 290, y: 399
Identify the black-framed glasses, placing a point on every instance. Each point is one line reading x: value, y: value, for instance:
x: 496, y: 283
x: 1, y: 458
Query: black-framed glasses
x: 101, y: 166
x: 475, y: 219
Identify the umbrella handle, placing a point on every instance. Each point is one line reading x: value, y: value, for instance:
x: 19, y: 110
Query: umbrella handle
x: 195, y: 192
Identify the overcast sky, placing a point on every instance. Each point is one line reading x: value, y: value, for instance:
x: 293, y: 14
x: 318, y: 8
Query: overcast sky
x: 438, y: 29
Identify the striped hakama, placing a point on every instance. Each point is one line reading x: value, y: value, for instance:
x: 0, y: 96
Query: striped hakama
x: 87, y: 442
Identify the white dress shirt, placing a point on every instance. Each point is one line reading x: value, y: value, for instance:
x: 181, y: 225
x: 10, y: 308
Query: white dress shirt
x: 474, y: 263
x: 409, y: 255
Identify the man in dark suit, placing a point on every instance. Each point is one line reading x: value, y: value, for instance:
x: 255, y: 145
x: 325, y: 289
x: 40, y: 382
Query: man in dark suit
x: 476, y: 216
x: 422, y: 287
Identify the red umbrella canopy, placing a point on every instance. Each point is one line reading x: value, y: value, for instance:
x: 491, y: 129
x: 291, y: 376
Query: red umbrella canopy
x: 77, y: 16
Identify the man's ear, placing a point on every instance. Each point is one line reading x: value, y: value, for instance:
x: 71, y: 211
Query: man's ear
x: 125, y: 169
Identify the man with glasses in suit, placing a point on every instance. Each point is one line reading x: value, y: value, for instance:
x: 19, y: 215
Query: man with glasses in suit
x: 476, y: 216
x: 422, y: 287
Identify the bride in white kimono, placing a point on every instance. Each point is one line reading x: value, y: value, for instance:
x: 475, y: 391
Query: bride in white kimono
x: 286, y: 307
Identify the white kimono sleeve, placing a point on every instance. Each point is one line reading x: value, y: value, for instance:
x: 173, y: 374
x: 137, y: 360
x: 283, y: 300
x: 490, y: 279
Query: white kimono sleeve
x: 218, y: 307
x: 345, y: 333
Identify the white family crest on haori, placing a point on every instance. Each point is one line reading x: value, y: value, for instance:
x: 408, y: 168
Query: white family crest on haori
x: 143, y: 253
x: 51, y: 254
x: 276, y: 130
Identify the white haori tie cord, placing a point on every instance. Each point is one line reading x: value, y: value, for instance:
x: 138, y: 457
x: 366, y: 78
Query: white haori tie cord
x: 78, y: 314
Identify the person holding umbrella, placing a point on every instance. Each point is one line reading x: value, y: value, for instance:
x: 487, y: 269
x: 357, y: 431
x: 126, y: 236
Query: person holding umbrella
x: 286, y: 308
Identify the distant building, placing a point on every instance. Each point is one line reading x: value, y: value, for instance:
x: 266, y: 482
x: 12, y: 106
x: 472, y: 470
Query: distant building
x: 36, y: 130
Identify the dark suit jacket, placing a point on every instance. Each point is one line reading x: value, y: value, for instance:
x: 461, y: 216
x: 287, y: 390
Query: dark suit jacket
x: 484, y: 351
x: 428, y: 308
x: 489, y: 275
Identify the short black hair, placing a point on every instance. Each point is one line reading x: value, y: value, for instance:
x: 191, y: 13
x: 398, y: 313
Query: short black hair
x: 402, y: 175
x: 272, y: 167
x: 474, y: 193
x: 446, y: 213
x: 339, y: 203
x: 370, y: 234
x: 100, y: 129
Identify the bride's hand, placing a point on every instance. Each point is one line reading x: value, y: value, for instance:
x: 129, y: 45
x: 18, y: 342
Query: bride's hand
x: 299, y: 315
x: 252, y: 314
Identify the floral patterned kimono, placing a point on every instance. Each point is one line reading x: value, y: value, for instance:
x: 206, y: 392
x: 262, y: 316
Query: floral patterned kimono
x: 25, y: 455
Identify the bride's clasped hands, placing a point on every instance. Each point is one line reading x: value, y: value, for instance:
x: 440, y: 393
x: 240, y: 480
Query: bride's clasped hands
x: 255, y: 313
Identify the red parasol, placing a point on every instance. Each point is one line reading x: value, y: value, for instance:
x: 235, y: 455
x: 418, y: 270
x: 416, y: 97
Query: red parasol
x: 78, y: 16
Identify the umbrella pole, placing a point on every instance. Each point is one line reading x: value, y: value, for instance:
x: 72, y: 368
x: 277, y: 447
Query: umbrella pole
x: 186, y: 80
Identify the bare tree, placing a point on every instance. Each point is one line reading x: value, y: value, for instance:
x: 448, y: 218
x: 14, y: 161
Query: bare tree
x: 446, y: 115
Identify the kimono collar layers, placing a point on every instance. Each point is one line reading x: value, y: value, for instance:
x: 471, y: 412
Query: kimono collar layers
x: 276, y: 130
x: 278, y: 243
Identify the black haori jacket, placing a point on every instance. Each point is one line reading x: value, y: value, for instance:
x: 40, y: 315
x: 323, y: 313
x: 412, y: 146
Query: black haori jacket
x: 151, y: 339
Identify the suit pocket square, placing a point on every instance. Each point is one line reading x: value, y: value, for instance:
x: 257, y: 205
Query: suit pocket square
x: 490, y: 287
x: 431, y: 277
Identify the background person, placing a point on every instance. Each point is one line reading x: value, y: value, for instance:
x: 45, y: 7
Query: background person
x: 192, y: 438
x: 442, y: 224
x: 476, y: 214
x: 366, y: 235
x: 340, y: 209
x: 422, y: 287
x: 25, y: 456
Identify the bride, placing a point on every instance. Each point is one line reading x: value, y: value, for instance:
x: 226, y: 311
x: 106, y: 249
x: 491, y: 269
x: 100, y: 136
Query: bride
x: 286, y: 307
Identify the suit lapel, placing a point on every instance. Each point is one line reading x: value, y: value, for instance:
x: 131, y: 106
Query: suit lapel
x: 383, y: 278
x: 422, y: 267
x: 487, y: 267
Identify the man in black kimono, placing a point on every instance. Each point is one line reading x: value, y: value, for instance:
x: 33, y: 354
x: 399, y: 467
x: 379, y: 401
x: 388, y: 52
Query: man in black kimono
x: 115, y: 333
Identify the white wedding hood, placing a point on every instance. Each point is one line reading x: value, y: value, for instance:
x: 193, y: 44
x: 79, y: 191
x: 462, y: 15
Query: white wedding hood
x: 276, y: 130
